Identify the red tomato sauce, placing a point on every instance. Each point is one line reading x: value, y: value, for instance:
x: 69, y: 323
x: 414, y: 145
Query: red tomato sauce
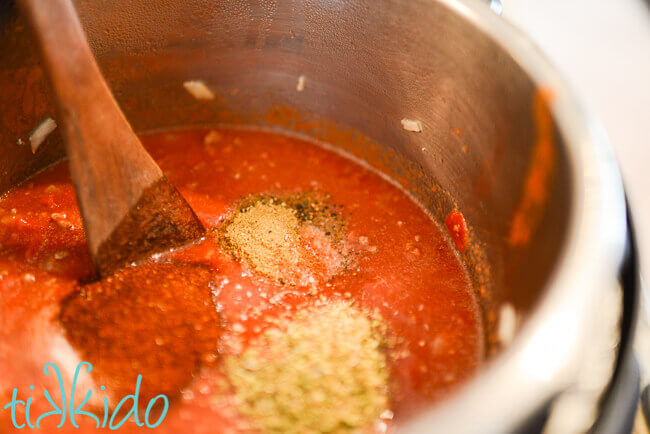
x: 409, y: 272
x: 457, y: 227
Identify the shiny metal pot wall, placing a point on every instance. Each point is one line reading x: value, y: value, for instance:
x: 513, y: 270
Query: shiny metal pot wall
x: 457, y: 68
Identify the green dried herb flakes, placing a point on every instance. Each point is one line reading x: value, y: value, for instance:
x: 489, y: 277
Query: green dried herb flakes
x: 325, y: 373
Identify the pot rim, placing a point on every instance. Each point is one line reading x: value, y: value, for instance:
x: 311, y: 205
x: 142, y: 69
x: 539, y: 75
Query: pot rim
x: 547, y: 353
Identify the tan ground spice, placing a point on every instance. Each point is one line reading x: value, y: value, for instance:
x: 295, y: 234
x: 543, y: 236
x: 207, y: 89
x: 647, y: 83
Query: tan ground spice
x: 293, y: 239
x: 325, y: 372
x: 267, y: 235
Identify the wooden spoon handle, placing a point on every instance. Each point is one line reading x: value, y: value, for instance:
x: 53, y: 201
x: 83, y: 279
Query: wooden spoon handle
x: 110, y: 168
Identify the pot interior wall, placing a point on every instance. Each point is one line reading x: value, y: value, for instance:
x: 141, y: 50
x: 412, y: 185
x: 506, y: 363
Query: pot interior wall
x: 366, y: 67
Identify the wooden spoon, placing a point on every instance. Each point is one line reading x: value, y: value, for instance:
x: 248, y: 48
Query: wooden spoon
x: 129, y: 209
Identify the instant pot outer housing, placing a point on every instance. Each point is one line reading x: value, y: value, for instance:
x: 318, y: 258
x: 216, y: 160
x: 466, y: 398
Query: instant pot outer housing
x: 471, y: 80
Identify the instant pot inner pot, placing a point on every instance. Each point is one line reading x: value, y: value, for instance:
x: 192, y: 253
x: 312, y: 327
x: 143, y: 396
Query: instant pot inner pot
x: 365, y: 68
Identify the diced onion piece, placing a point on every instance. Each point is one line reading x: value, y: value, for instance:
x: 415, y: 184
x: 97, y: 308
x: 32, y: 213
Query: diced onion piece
x: 198, y: 89
x: 412, y: 125
x: 212, y: 137
x: 40, y: 133
x: 507, y: 324
x: 301, y: 83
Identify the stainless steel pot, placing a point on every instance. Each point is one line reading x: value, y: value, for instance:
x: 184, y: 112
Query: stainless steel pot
x: 456, y: 67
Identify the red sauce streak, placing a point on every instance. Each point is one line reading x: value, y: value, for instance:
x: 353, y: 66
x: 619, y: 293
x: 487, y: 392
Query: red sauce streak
x: 529, y: 212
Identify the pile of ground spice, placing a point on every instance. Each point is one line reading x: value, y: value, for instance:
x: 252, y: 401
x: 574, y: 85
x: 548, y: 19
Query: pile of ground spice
x: 156, y: 320
x: 293, y: 239
x: 324, y: 371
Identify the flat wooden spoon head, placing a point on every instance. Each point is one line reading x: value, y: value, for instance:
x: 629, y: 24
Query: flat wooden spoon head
x: 129, y: 209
